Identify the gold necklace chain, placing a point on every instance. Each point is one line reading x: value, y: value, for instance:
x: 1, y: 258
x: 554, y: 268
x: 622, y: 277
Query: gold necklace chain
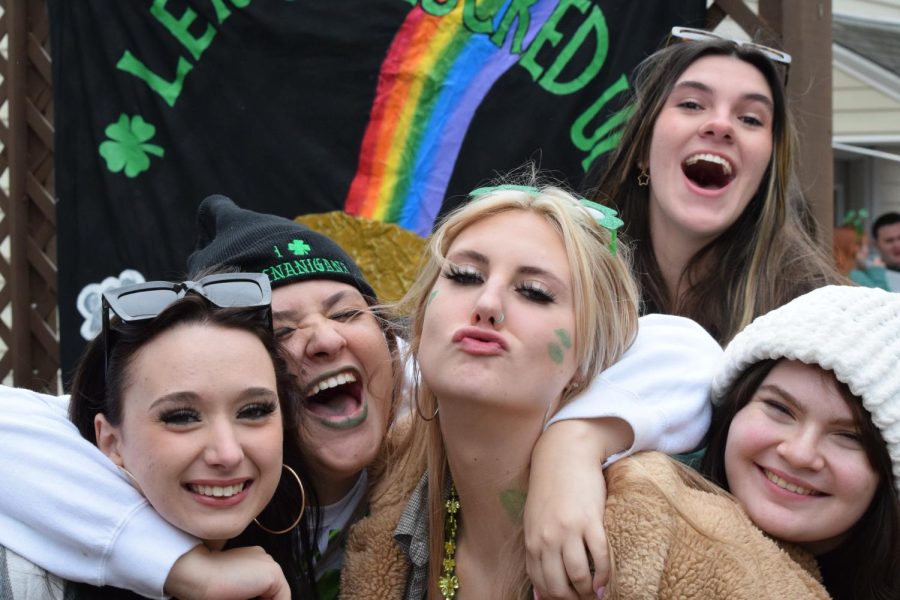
x: 449, y: 582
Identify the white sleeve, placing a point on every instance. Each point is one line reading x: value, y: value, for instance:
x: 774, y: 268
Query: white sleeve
x: 65, y: 506
x: 660, y: 387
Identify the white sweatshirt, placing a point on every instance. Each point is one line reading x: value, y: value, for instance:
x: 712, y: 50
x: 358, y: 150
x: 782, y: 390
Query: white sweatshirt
x: 660, y: 387
x: 64, y: 505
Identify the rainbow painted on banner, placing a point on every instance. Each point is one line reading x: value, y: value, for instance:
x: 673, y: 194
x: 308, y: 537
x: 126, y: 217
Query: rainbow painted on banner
x: 418, y: 122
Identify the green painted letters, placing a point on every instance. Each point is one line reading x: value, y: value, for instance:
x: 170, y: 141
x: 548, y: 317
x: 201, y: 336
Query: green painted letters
x: 547, y: 33
x: 222, y: 11
x: 516, y: 11
x: 480, y: 19
x: 595, y: 24
x: 601, y: 140
x: 438, y: 9
x: 581, y: 140
x: 179, y: 28
x: 169, y: 90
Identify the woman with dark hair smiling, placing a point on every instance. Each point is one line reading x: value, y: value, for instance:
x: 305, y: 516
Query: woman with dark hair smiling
x: 187, y: 393
x: 806, y: 433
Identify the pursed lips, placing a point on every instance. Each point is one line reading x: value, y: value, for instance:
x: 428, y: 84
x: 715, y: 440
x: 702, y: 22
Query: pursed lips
x: 479, y: 341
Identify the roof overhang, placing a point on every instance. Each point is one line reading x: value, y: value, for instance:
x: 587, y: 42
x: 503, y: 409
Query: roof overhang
x: 876, y: 76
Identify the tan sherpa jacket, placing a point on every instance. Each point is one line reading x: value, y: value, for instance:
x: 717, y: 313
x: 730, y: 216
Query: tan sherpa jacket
x: 657, y: 552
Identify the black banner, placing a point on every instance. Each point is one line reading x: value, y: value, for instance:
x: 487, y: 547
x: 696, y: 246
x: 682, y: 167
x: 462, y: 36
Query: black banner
x: 387, y: 109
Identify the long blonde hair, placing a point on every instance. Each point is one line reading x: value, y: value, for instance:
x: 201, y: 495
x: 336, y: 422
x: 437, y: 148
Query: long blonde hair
x: 605, y: 305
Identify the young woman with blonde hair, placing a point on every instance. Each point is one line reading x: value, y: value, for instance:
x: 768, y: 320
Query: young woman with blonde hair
x: 524, y: 298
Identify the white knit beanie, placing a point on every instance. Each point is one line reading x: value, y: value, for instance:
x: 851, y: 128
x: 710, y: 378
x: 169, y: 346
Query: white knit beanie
x: 852, y: 331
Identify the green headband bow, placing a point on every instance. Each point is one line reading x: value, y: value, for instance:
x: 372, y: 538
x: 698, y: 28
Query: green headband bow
x: 604, y: 216
x: 856, y: 218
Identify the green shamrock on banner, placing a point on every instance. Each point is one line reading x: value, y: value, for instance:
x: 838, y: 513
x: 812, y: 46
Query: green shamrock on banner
x: 127, y: 146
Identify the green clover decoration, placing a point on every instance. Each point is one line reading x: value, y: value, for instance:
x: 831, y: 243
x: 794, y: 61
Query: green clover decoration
x: 605, y: 216
x: 127, y: 147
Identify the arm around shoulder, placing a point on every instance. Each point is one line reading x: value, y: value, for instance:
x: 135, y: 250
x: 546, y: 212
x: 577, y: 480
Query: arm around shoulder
x: 660, y: 387
x: 65, y: 507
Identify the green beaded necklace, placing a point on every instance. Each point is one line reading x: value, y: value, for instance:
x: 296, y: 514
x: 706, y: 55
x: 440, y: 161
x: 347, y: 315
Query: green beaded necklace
x: 449, y: 582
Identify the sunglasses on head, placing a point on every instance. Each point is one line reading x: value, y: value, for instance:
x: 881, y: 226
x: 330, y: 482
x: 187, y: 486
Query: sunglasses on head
x: 689, y: 34
x: 145, y: 301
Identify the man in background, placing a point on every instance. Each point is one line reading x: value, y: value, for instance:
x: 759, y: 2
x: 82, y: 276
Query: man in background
x: 886, y: 234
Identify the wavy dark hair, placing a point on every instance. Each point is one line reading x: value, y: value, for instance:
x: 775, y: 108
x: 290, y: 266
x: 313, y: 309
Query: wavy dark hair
x: 98, y: 389
x: 867, y: 563
x: 765, y: 258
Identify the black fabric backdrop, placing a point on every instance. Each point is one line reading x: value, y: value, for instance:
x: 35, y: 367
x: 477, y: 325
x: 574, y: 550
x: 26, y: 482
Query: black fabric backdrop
x: 273, y: 112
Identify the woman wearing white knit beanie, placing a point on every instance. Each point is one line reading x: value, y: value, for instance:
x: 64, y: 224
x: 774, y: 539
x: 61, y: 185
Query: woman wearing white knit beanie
x: 806, y: 433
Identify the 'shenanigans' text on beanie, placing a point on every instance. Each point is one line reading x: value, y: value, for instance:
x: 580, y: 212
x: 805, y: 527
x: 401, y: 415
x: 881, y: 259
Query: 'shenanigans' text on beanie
x: 852, y: 331
x: 284, y: 250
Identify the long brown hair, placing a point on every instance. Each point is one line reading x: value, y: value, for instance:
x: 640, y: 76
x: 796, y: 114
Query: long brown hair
x: 765, y: 258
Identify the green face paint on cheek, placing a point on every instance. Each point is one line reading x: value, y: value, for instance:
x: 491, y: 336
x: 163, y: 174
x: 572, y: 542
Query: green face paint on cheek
x: 431, y: 297
x: 556, y: 353
x: 554, y: 350
x: 513, y: 502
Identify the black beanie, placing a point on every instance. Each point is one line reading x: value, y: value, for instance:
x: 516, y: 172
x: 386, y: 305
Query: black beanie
x: 254, y: 242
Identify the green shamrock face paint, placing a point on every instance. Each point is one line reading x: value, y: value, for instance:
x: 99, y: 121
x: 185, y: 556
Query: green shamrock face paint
x: 513, y: 502
x: 557, y: 351
x: 564, y: 338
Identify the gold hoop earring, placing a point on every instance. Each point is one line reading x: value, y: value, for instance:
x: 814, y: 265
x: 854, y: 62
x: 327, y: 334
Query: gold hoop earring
x: 424, y: 418
x: 415, y: 392
x: 302, y: 506
x: 643, y: 178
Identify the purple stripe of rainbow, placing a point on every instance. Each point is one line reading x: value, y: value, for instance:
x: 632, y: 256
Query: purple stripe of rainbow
x: 410, y: 147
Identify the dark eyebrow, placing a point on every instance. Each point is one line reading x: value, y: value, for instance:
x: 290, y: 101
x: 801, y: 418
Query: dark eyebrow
x: 187, y: 397
x: 327, y: 304
x: 702, y: 87
x: 333, y: 300
x: 182, y: 397
x: 797, y: 405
